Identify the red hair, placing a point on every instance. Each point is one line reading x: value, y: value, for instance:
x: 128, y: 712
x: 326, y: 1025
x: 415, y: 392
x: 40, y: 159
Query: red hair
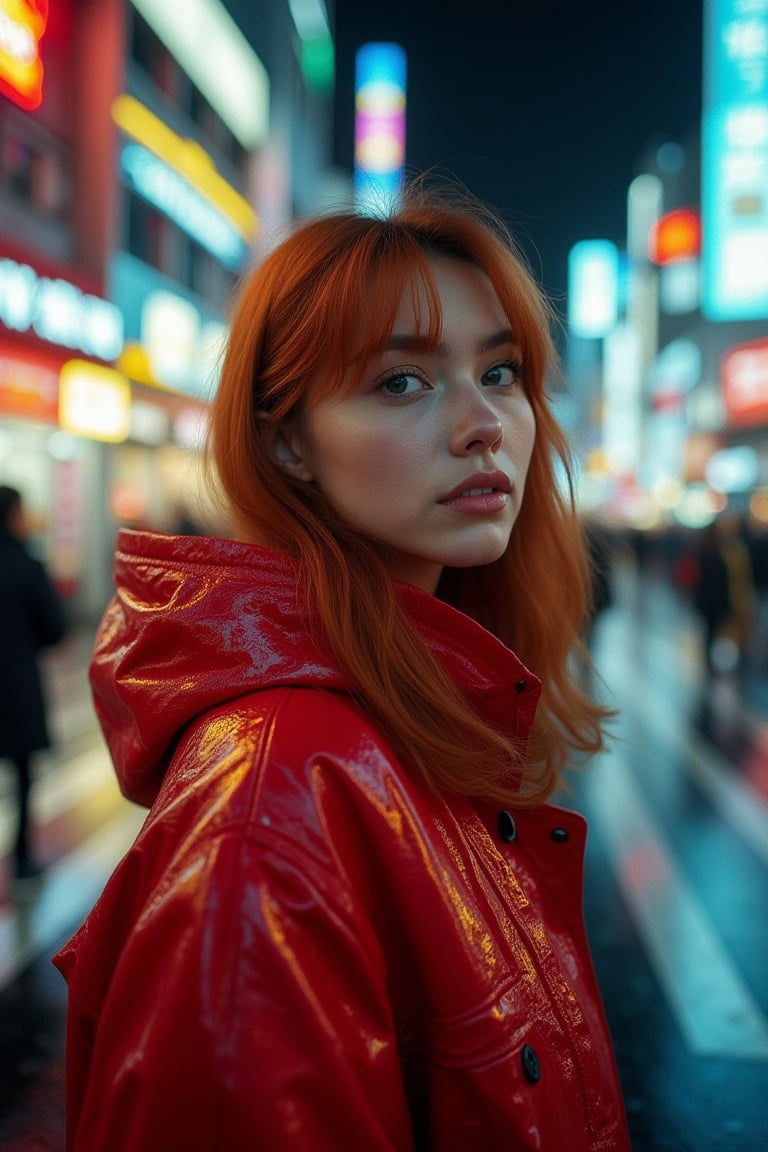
x: 322, y: 301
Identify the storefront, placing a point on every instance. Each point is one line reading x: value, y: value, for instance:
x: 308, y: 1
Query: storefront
x: 88, y: 432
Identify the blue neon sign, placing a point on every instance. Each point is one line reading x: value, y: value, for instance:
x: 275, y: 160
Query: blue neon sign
x: 735, y: 160
x: 175, y: 197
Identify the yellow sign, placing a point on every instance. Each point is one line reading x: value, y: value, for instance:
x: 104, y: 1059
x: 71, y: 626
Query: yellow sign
x: 186, y: 157
x: 94, y: 401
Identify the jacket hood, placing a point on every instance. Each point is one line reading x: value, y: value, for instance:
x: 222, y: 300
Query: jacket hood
x: 198, y: 621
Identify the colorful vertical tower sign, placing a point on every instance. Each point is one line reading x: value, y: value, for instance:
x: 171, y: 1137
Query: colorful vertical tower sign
x: 22, y: 23
x: 379, y: 127
x: 735, y: 160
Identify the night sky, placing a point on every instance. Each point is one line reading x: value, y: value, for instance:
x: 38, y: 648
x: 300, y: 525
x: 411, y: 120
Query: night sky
x: 544, y: 110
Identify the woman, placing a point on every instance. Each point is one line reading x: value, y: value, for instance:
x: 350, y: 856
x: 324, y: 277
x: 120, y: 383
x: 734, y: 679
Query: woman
x: 351, y: 920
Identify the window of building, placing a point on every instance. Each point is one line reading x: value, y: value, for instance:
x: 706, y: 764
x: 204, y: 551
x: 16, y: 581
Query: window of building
x: 151, y: 236
x: 157, y: 241
x: 151, y: 55
x: 144, y: 45
x: 215, y: 130
x: 209, y: 279
x: 146, y: 233
x: 35, y: 167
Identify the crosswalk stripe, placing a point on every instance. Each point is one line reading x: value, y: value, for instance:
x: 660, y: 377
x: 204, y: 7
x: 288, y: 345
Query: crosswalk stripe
x: 715, y: 1010
x: 68, y: 890
x: 733, y: 799
x: 85, y: 773
x: 63, y: 787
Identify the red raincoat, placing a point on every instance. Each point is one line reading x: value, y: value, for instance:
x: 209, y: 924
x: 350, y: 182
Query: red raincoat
x: 306, y: 948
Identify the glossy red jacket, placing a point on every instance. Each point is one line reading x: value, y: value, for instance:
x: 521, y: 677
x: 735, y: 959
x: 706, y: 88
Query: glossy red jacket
x: 306, y: 948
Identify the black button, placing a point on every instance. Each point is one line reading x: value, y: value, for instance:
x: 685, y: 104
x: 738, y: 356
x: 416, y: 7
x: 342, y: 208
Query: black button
x: 559, y: 835
x: 507, y: 827
x: 531, y: 1064
x: 521, y: 686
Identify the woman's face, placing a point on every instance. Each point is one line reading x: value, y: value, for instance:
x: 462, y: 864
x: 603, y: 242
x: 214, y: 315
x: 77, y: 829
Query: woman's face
x: 429, y: 454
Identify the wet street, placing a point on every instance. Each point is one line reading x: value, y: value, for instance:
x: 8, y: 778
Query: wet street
x: 676, y: 885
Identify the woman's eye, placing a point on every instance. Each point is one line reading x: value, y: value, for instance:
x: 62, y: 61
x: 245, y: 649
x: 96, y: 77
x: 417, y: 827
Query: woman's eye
x: 504, y: 375
x: 401, y: 384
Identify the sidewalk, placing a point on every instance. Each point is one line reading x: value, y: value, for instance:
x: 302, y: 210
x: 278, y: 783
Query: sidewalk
x: 81, y: 824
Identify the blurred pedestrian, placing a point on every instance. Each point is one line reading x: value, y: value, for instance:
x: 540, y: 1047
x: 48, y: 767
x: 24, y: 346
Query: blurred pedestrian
x: 351, y: 919
x: 756, y: 536
x: 723, y: 594
x: 31, y: 618
x: 600, y: 552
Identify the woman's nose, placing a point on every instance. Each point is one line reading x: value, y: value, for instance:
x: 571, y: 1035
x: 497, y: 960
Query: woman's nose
x: 477, y: 426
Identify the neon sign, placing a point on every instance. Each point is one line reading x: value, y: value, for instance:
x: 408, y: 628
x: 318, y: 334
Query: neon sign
x: 745, y: 383
x: 94, y: 401
x: 58, y: 311
x: 22, y: 23
x: 379, y: 125
x: 29, y: 384
x: 187, y: 158
x: 593, y: 288
x: 675, y: 236
x: 175, y: 198
x: 735, y: 160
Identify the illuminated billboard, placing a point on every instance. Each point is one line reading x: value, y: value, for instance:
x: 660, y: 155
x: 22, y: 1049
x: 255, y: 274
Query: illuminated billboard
x: 379, y: 126
x: 735, y: 160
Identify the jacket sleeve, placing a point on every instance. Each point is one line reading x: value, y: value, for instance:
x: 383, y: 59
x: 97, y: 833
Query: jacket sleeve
x: 249, y: 1010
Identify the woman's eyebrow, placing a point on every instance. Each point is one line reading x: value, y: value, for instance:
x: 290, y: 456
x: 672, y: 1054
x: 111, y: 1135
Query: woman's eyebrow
x: 413, y: 342
x: 505, y: 336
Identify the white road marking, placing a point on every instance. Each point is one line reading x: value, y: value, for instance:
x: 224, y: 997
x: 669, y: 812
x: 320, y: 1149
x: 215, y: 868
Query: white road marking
x: 70, y: 887
x: 717, y: 1013
x: 64, y: 786
x: 732, y: 798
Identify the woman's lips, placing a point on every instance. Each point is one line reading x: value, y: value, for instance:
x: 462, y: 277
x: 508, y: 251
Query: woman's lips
x: 478, y: 484
x: 478, y: 501
x: 483, y: 491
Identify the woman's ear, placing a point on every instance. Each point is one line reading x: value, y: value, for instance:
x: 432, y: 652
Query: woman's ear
x: 285, y: 446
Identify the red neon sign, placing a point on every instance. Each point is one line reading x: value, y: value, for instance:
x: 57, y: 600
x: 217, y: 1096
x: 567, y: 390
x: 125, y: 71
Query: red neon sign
x: 675, y: 236
x: 29, y: 383
x: 745, y: 383
x: 22, y: 23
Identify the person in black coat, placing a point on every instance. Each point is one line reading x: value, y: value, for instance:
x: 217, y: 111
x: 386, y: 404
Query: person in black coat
x: 723, y: 593
x: 31, y: 618
x: 599, y: 551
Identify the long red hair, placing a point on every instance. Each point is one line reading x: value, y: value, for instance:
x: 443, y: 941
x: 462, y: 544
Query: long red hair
x: 321, y: 302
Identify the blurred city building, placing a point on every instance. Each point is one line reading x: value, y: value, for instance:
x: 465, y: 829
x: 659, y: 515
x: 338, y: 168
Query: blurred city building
x: 668, y: 334
x: 148, y: 153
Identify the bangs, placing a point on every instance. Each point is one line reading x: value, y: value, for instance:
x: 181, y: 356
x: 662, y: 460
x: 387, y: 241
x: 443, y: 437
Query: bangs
x: 354, y: 335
